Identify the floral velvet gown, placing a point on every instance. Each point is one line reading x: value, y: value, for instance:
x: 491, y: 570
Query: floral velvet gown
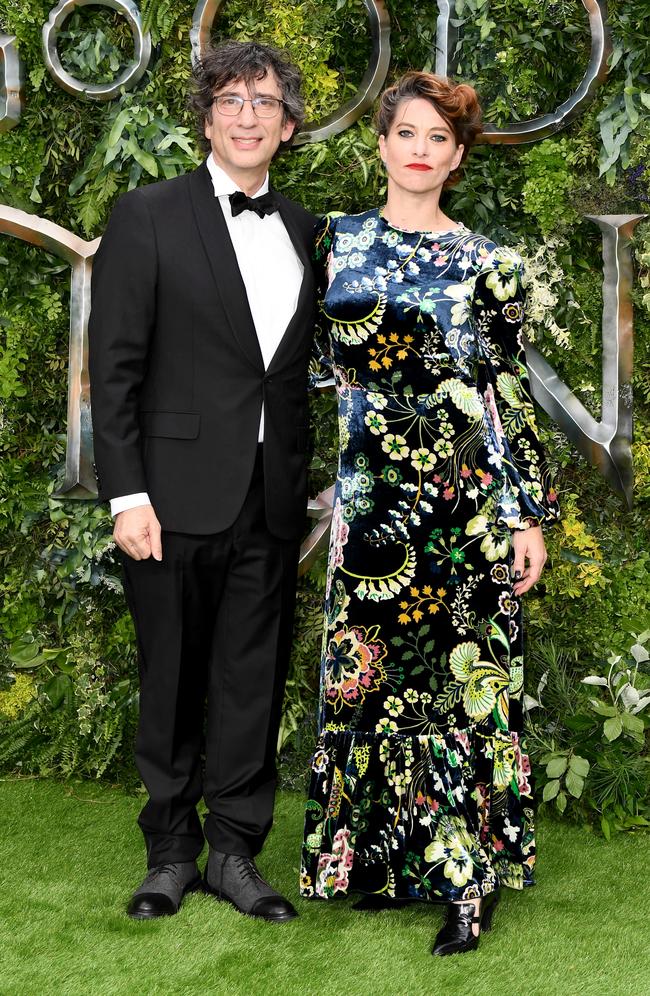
x: 420, y: 781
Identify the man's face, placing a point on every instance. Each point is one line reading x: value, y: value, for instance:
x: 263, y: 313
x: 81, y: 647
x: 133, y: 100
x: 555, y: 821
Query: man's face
x: 244, y: 145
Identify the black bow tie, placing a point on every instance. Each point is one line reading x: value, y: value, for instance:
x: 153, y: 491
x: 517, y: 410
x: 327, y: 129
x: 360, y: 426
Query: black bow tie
x: 265, y: 204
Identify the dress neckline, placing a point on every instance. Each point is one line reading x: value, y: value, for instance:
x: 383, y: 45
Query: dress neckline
x: 421, y: 231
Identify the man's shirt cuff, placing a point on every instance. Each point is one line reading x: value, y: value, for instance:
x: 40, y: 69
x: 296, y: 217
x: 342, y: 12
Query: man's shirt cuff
x: 123, y: 503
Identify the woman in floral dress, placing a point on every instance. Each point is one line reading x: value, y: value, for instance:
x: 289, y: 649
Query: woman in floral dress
x: 420, y: 781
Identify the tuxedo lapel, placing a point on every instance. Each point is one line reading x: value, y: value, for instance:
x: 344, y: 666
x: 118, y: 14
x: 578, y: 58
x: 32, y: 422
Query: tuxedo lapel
x: 307, y: 288
x: 223, y: 264
x: 293, y: 230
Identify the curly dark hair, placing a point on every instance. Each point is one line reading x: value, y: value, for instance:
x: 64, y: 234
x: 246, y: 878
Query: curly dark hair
x: 457, y: 103
x: 233, y: 61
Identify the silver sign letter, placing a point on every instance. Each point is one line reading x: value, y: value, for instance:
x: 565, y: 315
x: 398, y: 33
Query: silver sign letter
x: 96, y: 91
x: 606, y: 444
x: 546, y: 124
x: 79, y: 477
x: 11, y: 85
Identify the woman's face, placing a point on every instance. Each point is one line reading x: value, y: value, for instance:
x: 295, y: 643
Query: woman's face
x: 420, y: 149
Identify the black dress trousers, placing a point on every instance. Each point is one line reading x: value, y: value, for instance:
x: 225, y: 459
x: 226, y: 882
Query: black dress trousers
x: 213, y: 621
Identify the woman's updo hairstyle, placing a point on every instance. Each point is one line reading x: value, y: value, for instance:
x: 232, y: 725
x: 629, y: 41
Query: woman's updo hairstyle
x: 457, y: 103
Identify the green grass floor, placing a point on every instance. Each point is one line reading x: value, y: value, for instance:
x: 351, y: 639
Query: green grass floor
x: 70, y: 855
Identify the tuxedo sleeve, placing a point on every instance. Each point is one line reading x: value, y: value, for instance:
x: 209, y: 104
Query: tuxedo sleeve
x: 122, y: 318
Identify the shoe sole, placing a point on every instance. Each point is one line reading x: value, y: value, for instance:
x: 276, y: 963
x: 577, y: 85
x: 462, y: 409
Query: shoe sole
x: 284, y: 918
x: 195, y: 887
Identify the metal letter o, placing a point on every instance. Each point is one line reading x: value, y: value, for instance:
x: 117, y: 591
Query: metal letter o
x: 536, y: 129
x: 96, y: 91
x: 541, y: 127
x: 371, y: 84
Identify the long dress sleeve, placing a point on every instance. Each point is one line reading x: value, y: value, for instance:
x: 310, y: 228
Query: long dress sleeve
x: 498, y: 308
x: 320, y: 367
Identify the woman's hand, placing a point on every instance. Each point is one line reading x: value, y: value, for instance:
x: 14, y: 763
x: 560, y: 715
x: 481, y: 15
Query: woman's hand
x: 528, y: 545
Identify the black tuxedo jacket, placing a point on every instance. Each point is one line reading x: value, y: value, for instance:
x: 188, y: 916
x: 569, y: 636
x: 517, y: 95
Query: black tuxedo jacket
x: 177, y: 376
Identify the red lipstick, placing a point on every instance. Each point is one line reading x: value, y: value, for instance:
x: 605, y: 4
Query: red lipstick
x: 420, y: 166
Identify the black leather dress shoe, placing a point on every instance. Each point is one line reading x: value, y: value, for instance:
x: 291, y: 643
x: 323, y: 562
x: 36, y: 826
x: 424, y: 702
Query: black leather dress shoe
x: 163, y: 890
x: 456, y: 936
x: 235, y: 878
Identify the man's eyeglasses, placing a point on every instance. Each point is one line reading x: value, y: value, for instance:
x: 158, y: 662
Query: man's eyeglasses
x: 231, y: 104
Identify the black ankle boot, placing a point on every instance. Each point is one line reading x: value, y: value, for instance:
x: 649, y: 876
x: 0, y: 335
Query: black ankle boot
x: 456, y: 935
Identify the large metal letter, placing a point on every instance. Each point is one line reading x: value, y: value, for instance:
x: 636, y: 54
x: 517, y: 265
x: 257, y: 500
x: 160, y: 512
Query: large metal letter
x: 371, y: 84
x: 446, y: 36
x: 606, y: 444
x: 319, y: 508
x: 546, y: 124
x: 96, y: 91
x: 11, y: 90
x: 79, y: 477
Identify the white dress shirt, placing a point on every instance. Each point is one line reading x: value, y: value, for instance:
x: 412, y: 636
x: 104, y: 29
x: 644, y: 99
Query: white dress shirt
x: 272, y: 274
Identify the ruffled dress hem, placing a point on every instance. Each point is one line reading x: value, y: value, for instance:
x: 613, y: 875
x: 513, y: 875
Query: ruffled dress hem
x: 438, y: 818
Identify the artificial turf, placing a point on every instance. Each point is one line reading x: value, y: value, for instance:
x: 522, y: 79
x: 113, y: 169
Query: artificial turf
x: 71, y: 854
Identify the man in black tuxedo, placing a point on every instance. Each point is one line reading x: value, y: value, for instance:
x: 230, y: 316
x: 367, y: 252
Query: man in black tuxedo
x: 202, y: 314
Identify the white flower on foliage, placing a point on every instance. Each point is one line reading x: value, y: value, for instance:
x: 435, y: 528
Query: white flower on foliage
x: 544, y: 280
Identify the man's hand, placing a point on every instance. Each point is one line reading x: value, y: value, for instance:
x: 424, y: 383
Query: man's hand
x: 528, y: 545
x: 137, y: 533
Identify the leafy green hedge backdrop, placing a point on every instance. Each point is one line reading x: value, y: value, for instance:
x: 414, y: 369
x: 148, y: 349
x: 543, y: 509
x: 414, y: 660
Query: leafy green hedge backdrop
x: 67, y: 653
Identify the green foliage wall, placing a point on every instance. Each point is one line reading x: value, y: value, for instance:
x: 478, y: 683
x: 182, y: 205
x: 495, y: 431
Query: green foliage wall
x: 67, y: 655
